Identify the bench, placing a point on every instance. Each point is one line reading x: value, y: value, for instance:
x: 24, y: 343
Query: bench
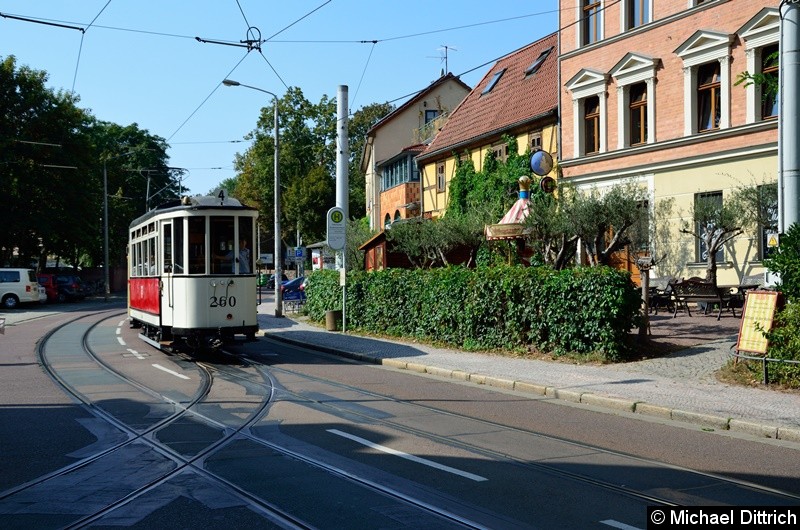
x: 696, y: 290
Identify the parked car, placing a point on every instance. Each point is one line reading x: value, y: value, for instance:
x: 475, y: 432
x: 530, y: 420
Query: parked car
x: 16, y: 286
x: 294, y: 289
x: 48, y: 281
x: 63, y: 287
x: 271, y: 281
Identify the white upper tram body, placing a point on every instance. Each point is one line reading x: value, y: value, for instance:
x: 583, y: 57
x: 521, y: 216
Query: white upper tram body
x: 192, y: 277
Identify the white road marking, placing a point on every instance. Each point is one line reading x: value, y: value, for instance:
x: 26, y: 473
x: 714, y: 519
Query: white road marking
x: 122, y: 342
x: 176, y: 374
x: 136, y: 354
x: 119, y: 331
x: 617, y: 524
x: 423, y: 461
x: 122, y: 322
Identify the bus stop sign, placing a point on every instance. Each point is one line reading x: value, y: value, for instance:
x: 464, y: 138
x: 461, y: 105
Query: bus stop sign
x: 336, y: 228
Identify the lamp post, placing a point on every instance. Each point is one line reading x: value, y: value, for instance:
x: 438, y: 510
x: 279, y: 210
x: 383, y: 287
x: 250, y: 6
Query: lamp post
x: 277, y: 257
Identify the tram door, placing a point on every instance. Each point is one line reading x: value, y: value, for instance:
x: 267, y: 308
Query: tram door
x: 168, y: 253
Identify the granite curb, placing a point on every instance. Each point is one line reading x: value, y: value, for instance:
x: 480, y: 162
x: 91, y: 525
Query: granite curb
x: 702, y: 420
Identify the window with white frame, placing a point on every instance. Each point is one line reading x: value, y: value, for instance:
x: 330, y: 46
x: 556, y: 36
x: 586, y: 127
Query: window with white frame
x: 709, y: 109
x: 768, y: 212
x: 591, y: 21
x: 760, y: 35
x: 500, y: 152
x: 706, y: 81
x: 589, y: 106
x: 635, y: 79
x: 591, y: 125
x: 637, y: 13
x: 637, y: 112
x: 440, y: 176
x: 707, y: 201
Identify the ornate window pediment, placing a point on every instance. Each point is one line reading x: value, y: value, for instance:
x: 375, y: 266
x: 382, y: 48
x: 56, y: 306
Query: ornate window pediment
x: 587, y: 82
x: 762, y: 29
x: 634, y: 68
x: 704, y: 46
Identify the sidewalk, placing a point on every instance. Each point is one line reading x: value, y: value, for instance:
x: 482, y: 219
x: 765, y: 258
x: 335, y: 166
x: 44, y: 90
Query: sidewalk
x: 679, y: 387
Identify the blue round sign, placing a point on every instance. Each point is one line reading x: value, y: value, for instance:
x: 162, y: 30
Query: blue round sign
x: 541, y: 163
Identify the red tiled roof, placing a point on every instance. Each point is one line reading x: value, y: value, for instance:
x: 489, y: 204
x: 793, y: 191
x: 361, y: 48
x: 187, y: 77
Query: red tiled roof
x: 515, y: 99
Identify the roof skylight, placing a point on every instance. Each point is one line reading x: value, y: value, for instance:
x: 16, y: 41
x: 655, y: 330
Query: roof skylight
x: 490, y: 85
x: 534, y: 67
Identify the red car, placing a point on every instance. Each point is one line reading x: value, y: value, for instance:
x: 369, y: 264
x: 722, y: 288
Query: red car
x: 62, y: 287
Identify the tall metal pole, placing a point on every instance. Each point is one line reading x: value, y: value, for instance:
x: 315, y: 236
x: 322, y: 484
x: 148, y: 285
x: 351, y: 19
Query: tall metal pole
x: 342, y: 182
x: 107, y: 289
x: 277, y: 258
x: 278, y: 249
x: 788, y: 117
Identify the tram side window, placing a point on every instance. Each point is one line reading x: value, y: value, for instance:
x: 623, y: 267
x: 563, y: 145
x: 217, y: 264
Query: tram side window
x: 221, y: 231
x: 245, y: 245
x: 139, y: 258
x: 197, y: 247
x: 133, y: 257
x: 178, y: 267
x: 152, y: 268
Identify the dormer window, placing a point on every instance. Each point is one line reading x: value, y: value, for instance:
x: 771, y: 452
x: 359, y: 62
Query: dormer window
x: 533, y: 68
x: 493, y: 82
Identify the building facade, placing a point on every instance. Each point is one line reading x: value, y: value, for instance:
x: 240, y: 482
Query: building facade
x: 517, y: 97
x: 392, y: 179
x: 649, y: 93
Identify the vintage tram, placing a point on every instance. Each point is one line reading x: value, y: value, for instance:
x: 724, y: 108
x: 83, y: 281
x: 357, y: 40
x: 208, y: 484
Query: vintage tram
x: 192, y: 281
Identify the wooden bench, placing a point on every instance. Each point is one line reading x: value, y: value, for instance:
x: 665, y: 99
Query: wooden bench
x: 694, y: 290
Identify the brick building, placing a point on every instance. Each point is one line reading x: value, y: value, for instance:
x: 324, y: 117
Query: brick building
x: 648, y: 93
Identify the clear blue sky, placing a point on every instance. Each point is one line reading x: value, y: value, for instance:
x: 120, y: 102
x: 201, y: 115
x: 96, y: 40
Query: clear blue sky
x: 139, y: 62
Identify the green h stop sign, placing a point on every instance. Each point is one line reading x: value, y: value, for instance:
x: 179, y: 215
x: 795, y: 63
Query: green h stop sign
x: 336, y: 228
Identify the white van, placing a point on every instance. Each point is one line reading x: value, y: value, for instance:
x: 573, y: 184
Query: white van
x: 18, y: 285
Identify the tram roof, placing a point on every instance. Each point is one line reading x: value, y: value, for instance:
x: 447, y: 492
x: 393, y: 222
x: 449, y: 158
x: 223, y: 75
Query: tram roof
x: 193, y: 203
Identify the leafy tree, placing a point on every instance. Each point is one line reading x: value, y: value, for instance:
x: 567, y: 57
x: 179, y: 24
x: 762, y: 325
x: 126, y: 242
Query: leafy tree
x: 604, y: 221
x: 357, y: 233
x: 45, y: 156
x: 786, y: 263
x: 716, y: 223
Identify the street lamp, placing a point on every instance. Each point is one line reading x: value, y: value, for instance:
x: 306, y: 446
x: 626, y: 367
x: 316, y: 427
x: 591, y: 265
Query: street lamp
x: 277, y: 258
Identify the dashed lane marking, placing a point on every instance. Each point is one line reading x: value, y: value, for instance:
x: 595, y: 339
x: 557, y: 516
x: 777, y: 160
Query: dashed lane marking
x: 418, y: 460
x: 176, y: 374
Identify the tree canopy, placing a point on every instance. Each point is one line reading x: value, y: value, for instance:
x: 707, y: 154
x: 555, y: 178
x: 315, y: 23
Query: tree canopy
x: 307, y: 163
x: 52, y: 157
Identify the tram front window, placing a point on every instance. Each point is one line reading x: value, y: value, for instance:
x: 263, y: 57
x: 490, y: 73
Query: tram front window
x: 222, y: 243
x: 197, y: 249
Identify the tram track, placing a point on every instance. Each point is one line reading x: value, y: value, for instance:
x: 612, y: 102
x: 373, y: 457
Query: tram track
x: 345, y: 412
x: 180, y: 464
x: 144, y: 436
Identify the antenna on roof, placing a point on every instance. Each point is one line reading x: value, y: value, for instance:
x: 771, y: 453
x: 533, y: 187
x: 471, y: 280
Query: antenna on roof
x: 443, y: 57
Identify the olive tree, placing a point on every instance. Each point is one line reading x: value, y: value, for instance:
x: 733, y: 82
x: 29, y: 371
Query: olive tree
x: 715, y: 223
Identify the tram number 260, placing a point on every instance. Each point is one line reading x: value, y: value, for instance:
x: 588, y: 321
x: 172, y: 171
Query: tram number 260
x: 222, y: 301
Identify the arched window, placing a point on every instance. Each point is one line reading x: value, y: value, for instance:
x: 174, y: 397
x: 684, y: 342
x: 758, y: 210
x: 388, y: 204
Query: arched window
x: 397, y: 215
x: 387, y: 220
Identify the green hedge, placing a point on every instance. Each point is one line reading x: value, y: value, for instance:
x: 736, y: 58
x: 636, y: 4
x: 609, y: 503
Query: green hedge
x: 578, y: 310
